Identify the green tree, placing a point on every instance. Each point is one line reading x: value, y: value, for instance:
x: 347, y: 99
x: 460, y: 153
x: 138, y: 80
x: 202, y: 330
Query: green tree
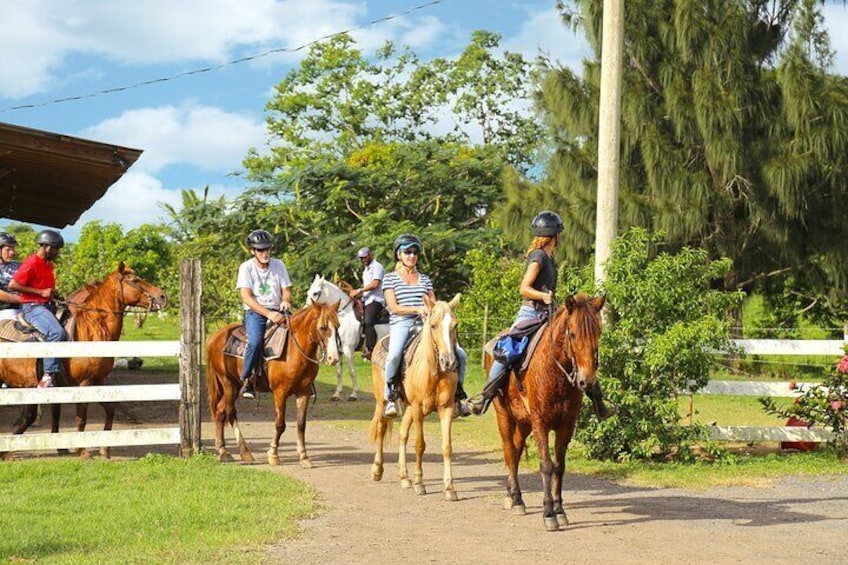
x: 732, y: 137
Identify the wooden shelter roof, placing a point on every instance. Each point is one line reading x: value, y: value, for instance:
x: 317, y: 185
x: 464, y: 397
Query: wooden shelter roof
x: 51, y: 179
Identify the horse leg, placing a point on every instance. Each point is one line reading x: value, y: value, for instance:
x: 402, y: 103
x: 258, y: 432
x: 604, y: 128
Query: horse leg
x: 302, y: 403
x: 82, y: 420
x: 28, y: 415
x: 513, y: 436
x: 546, y: 469
x: 560, y: 448
x: 403, y: 438
x: 420, y: 445
x: 337, y: 394
x: 446, y: 421
x: 352, y: 370
x: 109, y: 410
x: 279, y: 427
x: 220, y: 418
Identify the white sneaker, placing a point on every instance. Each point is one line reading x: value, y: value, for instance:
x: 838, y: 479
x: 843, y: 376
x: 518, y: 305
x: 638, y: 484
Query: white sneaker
x: 391, y: 410
x: 45, y: 382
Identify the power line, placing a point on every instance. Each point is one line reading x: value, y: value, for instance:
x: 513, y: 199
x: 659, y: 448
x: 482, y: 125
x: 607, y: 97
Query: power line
x: 222, y: 65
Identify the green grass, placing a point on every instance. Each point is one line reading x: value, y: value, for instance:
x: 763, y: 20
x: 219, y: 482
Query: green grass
x: 156, y: 510
x: 153, y: 329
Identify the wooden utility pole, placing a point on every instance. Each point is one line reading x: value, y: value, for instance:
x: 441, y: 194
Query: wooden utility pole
x: 191, y: 335
x: 609, y: 134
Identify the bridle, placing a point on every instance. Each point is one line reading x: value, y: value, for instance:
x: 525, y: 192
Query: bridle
x: 322, y: 343
x: 571, y: 376
x: 426, y: 321
x: 342, y: 305
x: 121, y: 281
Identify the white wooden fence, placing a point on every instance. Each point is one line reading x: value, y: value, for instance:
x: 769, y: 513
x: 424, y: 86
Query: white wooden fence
x: 831, y: 348
x: 187, y: 391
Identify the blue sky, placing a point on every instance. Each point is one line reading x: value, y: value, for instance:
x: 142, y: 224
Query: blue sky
x: 195, y: 130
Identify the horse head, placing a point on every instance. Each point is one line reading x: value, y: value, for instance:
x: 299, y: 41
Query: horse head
x: 327, y: 328
x: 135, y: 291
x: 323, y: 291
x: 316, y: 290
x: 580, y: 328
x: 441, y: 327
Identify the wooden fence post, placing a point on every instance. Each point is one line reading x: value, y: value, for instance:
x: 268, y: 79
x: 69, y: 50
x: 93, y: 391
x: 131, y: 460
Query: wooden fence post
x: 191, y: 332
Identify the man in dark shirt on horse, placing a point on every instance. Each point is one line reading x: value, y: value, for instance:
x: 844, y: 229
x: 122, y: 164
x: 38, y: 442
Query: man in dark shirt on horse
x: 35, y: 280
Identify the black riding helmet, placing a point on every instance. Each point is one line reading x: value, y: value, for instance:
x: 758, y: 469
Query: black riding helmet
x: 546, y: 224
x: 405, y: 241
x: 51, y: 238
x: 260, y: 239
x: 8, y: 240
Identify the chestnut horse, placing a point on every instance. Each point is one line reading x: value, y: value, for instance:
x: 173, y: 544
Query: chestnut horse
x: 429, y: 385
x: 292, y: 374
x: 98, y: 310
x: 564, y: 364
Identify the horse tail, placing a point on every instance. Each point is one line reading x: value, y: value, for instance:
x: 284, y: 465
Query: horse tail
x: 214, y: 390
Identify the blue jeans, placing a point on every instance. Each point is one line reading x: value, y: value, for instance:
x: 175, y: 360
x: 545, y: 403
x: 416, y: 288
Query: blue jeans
x: 398, y: 334
x: 255, y: 325
x: 497, y: 369
x: 45, y: 322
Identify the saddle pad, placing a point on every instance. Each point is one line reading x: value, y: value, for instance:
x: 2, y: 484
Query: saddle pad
x: 276, y: 338
x: 381, y: 352
x: 11, y: 330
x: 531, y: 347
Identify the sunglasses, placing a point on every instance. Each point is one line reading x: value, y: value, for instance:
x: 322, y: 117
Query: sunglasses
x: 411, y: 251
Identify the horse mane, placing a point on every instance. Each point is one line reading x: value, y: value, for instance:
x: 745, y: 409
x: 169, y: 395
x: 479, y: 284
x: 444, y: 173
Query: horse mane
x: 92, y: 310
x: 581, y: 308
x: 427, y: 364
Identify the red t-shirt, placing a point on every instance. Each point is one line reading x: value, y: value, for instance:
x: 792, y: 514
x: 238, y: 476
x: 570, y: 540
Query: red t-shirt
x: 37, y: 273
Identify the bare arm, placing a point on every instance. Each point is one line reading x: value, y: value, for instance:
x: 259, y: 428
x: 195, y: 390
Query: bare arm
x: 18, y: 287
x: 9, y: 298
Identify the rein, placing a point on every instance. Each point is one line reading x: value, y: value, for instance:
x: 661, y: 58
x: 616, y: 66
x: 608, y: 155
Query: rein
x: 321, y: 342
x: 121, y: 281
x: 571, y: 376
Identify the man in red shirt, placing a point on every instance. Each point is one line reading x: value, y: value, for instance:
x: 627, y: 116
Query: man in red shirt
x: 36, y: 283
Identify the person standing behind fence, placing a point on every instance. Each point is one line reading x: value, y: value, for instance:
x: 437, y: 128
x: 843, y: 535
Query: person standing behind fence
x: 373, y: 300
x: 35, y: 280
x: 265, y: 289
x: 10, y: 302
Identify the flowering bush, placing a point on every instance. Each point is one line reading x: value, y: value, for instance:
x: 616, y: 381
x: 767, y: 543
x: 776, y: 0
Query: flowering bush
x: 824, y: 405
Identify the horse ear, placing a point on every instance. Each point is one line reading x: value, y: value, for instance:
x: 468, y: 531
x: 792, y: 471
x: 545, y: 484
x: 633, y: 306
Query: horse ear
x: 428, y: 302
x: 334, y: 307
x: 570, y: 303
x: 455, y: 302
x: 599, y: 302
x: 122, y: 267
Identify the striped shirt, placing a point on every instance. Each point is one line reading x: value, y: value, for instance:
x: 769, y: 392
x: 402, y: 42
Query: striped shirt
x: 411, y: 295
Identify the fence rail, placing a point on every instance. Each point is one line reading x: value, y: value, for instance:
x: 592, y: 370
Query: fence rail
x: 831, y: 347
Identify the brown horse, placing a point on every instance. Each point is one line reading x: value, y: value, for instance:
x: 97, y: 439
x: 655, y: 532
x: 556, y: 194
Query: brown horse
x: 429, y: 385
x: 563, y: 365
x: 98, y: 311
x: 293, y: 374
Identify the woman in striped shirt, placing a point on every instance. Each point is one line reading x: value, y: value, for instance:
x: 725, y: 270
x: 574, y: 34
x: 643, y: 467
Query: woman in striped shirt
x: 404, y: 290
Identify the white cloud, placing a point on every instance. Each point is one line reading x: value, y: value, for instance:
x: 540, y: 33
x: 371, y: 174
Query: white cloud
x: 201, y: 136
x: 39, y: 35
x: 544, y: 32
x: 136, y: 199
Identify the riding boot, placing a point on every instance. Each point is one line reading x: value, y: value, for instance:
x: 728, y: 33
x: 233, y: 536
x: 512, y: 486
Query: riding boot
x: 481, y: 403
x: 602, y: 409
x: 462, y: 407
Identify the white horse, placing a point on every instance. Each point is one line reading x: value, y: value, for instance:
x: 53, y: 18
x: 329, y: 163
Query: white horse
x: 325, y: 292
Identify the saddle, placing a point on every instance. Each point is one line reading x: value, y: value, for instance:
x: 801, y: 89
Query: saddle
x: 530, y: 329
x: 381, y: 352
x: 276, y: 339
x: 13, y: 330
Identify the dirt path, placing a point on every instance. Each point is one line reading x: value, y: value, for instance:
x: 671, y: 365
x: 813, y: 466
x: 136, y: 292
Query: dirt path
x: 796, y: 521
x: 368, y: 522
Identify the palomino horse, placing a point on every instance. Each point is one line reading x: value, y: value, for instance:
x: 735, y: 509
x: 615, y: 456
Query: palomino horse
x: 563, y: 365
x: 429, y: 385
x: 323, y: 291
x: 98, y: 311
x: 311, y: 328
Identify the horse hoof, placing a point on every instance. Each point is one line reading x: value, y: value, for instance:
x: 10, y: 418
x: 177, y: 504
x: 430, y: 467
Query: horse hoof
x: 352, y: 397
x: 562, y: 520
x: 84, y: 453
x: 334, y: 398
x: 63, y: 452
x: 225, y: 457
x: 519, y: 510
x: 405, y: 483
x: 377, y: 473
x: 551, y: 524
x: 451, y: 496
x: 273, y: 460
x: 305, y: 463
x: 420, y: 490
